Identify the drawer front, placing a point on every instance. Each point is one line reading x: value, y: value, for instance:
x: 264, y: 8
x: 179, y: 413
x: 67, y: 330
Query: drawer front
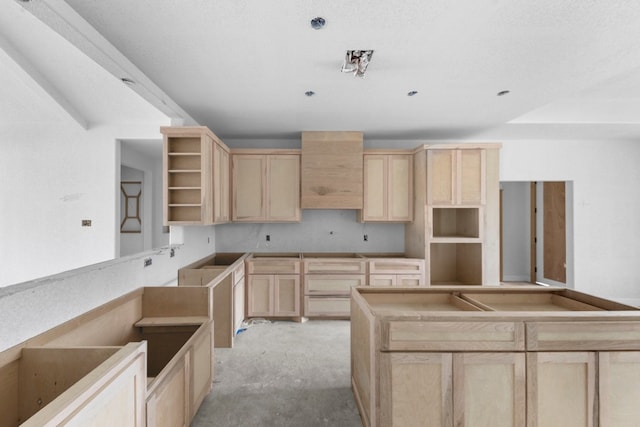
x: 273, y: 266
x: 382, y: 280
x: 331, y: 284
x: 334, y: 265
x: 452, y: 336
x: 327, y: 306
x: 410, y: 280
x: 562, y: 336
x: 396, y: 266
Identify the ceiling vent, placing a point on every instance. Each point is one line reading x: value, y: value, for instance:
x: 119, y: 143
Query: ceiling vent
x: 356, y: 62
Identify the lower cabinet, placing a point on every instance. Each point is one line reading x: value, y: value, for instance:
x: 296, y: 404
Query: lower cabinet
x: 273, y: 295
x: 573, y: 388
x: 452, y: 389
x: 327, y: 295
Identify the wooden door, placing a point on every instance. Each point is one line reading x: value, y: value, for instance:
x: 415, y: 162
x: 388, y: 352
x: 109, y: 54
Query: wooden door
x: 260, y: 295
x: 561, y: 389
x: 400, y: 188
x: 415, y: 390
x: 555, y: 240
x: 375, y: 188
x: 619, y: 388
x: 249, y: 182
x: 287, y: 295
x: 489, y: 389
x: 283, y: 188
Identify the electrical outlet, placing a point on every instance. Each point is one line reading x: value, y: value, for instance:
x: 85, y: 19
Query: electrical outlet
x: 148, y: 262
x: 172, y: 253
x: 268, y: 237
x: 86, y: 223
x: 366, y: 237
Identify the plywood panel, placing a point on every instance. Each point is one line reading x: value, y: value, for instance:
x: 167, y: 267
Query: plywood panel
x: 375, y: 188
x: 171, y: 404
x: 415, y: 389
x: 318, y: 306
x: 561, y: 389
x: 400, y: 188
x: 249, y: 198
x: 489, y: 389
x: 332, y: 170
x: 283, y: 188
x: 332, y: 284
x: 9, y: 376
x: 619, y: 389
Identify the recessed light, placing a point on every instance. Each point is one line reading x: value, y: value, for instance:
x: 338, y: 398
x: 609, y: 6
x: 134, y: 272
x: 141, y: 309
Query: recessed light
x: 503, y: 92
x: 318, y: 23
x: 309, y: 93
x: 412, y: 93
x: 127, y: 81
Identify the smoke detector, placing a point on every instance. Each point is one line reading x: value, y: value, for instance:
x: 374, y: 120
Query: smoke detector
x: 356, y: 62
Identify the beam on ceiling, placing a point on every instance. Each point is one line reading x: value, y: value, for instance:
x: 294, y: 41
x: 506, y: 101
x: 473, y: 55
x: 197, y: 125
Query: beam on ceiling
x: 40, y: 84
x: 64, y: 20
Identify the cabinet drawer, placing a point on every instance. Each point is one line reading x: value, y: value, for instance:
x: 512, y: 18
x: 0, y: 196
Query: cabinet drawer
x: 396, y: 266
x: 273, y: 266
x: 327, y: 306
x: 410, y: 280
x: 452, y: 336
x: 335, y: 265
x: 407, y: 280
x: 332, y: 284
x: 565, y: 336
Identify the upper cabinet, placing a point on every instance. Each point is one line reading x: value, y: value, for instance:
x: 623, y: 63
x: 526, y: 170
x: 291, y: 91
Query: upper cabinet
x: 456, y: 176
x: 388, y: 187
x: 332, y: 170
x: 194, y: 177
x: 266, y: 185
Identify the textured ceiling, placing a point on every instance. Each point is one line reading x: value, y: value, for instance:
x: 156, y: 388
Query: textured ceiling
x: 241, y: 67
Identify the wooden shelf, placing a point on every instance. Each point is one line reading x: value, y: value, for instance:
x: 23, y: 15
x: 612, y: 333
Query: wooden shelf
x: 184, y: 205
x: 184, y: 154
x: 184, y: 170
x: 171, y: 321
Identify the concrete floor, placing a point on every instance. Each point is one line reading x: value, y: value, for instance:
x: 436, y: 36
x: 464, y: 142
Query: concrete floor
x: 283, y: 374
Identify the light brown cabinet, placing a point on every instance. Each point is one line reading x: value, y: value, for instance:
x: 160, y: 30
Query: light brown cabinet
x: 266, y: 186
x: 552, y: 357
x: 195, y: 176
x: 388, y: 187
x: 455, y: 176
x: 273, y: 295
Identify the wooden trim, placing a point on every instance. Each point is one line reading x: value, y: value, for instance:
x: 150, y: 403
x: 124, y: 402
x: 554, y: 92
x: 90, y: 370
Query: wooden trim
x: 267, y: 151
x: 533, y: 228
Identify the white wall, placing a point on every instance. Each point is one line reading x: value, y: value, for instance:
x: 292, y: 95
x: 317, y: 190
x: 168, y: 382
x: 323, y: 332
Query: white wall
x: 52, y: 178
x: 33, y: 307
x: 606, y: 205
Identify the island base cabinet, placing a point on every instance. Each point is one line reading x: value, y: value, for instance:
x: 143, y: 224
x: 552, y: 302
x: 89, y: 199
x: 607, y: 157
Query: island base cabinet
x: 619, y: 388
x: 447, y: 389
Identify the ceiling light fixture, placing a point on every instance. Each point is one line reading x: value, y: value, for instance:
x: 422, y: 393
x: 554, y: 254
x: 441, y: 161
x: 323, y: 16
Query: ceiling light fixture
x: 309, y: 93
x: 412, y: 93
x: 318, y: 23
x: 356, y: 62
x: 127, y: 81
x: 503, y: 92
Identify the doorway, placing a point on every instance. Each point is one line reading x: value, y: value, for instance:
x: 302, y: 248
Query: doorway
x: 537, y: 232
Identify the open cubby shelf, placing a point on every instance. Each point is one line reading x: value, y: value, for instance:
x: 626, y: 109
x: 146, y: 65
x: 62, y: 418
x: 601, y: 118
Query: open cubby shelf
x: 456, y: 222
x: 456, y: 263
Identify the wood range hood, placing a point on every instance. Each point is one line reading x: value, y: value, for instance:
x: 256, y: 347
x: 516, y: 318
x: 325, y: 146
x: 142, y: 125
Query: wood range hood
x: 332, y: 170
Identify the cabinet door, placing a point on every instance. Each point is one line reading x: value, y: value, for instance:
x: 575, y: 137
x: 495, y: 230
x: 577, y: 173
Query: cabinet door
x: 561, y: 389
x: 220, y: 184
x: 287, y: 295
x: 415, y: 389
x: 619, y: 388
x: 470, y: 177
x: 441, y: 172
x: 375, y: 188
x: 249, y: 178
x: 283, y: 189
x: 400, y: 189
x: 260, y: 295
x: 489, y: 390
